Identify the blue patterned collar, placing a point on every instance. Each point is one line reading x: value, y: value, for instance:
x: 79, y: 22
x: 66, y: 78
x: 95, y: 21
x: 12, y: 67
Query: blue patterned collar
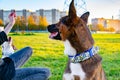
x: 84, y: 55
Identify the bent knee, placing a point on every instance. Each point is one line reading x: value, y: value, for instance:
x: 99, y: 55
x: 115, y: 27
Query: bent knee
x: 29, y: 50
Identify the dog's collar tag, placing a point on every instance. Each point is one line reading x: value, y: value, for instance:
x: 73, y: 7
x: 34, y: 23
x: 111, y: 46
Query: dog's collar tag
x: 84, y: 55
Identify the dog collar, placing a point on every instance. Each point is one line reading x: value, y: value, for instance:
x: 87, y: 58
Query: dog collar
x: 84, y: 55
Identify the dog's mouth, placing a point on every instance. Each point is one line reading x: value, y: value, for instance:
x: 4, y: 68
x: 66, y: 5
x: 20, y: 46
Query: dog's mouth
x: 53, y: 34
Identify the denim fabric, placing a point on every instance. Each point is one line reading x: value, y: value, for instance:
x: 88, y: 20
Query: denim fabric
x: 19, y: 58
x: 32, y: 74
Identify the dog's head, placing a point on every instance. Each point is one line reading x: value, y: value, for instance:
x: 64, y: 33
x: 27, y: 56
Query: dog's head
x: 74, y: 29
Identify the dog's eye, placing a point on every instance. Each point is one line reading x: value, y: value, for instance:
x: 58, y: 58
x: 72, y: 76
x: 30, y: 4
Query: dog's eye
x: 58, y: 24
x: 64, y: 20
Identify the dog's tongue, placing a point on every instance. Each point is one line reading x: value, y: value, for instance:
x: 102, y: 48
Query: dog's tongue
x: 52, y: 35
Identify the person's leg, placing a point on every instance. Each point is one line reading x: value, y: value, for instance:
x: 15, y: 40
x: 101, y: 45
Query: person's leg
x: 32, y: 74
x: 21, y: 56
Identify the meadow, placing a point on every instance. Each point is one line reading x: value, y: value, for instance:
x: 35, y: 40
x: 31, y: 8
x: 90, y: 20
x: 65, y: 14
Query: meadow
x: 50, y: 53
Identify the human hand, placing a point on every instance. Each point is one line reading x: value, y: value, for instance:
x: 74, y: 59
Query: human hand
x: 11, y: 22
x: 10, y: 42
x: 12, y: 17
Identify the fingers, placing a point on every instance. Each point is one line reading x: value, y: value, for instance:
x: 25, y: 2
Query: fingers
x: 13, y: 46
x: 11, y: 43
x: 12, y: 17
x: 12, y: 14
x: 10, y: 40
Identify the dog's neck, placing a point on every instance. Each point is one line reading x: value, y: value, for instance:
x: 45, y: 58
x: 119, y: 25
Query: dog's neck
x: 69, y: 50
x: 78, y: 57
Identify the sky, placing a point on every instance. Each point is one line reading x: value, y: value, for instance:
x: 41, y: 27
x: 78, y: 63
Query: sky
x: 97, y: 8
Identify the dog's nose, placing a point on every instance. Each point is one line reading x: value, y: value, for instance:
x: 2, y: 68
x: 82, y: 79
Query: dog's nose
x: 51, y: 28
x: 48, y: 27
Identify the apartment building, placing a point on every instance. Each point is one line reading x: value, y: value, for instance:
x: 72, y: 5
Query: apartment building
x: 52, y: 15
x: 115, y: 23
x: 4, y: 14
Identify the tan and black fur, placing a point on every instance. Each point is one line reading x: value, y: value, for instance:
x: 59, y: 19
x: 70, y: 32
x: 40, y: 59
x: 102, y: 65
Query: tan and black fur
x: 74, y: 31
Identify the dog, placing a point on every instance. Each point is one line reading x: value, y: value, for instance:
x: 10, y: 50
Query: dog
x: 84, y: 63
x: 8, y: 48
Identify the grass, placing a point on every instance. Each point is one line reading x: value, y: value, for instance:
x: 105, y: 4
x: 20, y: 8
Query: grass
x: 49, y: 53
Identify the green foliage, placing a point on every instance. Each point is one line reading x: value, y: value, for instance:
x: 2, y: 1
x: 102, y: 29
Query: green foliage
x: 32, y: 23
x: 50, y: 53
x: 20, y: 24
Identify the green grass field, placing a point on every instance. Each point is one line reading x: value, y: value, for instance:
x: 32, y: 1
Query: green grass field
x: 49, y: 53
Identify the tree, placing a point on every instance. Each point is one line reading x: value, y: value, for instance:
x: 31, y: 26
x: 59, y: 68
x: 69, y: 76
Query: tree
x: 31, y: 23
x: 43, y: 23
x: 100, y: 27
x: 23, y: 23
x: 1, y: 22
x: 110, y: 29
x: 17, y: 24
x: 20, y: 24
x: 94, y: 28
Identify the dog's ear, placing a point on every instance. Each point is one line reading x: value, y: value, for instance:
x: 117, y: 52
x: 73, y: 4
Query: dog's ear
x: 72, y: 11
x: 85, y: 16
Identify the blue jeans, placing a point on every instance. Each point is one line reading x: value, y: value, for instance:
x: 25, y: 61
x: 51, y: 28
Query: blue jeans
x: 19, y: 58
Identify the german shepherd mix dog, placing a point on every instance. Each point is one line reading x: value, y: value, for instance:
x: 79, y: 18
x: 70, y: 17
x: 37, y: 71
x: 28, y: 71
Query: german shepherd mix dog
x: 84, y: 63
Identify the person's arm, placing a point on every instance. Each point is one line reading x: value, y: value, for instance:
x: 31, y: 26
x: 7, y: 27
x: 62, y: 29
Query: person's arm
x: 11, y: 22
x: 3, y: 34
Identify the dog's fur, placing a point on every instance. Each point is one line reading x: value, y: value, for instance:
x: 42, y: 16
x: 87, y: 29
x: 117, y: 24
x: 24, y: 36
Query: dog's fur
x: 73, y: 31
